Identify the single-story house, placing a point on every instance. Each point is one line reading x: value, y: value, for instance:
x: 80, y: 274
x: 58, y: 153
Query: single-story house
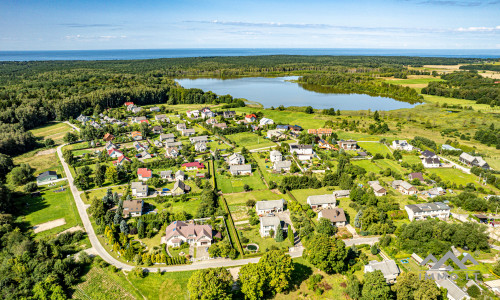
x: 193, y: 114
x: 172, y: 152
x: 211, y: 121
x: 454, y: 292
x: 416, y: 175
x: 402, y: 145
x: 335, y: 215
x: 389, y: 269
x: 228, y: 114
x: 179, y: 175
x: 46, y: 177
x: 145, y: 155
x: 188, y: 132
x: 322, y: 201
x: 179, y: 232
x: 168, y: 175
x: 168, y: 136
x: 157, y: 129
x: 136, y: 135
x: 114, y: 153
x: 198, y: 139
x: 139, y: 119
x: 473, y: 161
x: 162, y: 118
x: 221, y: 126
x: 348, y: 145
x: 154, y: 108
x: 139, y: 189
x: 269, y: 206
x: 283, y: 165
x: 108, y: 137
x: 181, y: 126
x: 275, y: 133
x: 132, y: 208
x: 240, y: 169
x: 121, y: 160
x: 404, y: 187
x: 180, y: 188
x: 342, y: 193
x: 377, y: 188
x: 200, y: 147
x: 193, y: 166
x: 265, y: 121
x: 235, y: 159
x: 250, y: 118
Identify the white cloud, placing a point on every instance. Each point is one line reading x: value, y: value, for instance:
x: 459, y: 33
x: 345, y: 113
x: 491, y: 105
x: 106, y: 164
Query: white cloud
x: 479, y: 29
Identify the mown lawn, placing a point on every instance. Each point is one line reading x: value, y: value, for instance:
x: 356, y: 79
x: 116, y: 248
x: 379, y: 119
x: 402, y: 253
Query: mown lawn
x: 169, y: 285
x: 50, y: 206
x: 249, y: 140
x: 252, y: 233
x: 237, y: 202
x: 412, y: 159
x: 375, y: 148
x: 55, y: 131
x: 230, y: 184
x: 454, y: 175
x: 368, y: 165
x: 387, y: 163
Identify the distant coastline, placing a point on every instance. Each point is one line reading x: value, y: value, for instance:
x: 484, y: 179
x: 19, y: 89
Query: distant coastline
x: 133, y: 54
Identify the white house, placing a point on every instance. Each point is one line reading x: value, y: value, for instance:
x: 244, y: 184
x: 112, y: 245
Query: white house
x: 282, y: 165
x: 181, y: 126
x: 404, y: 187
x: 235, y: 159
x: 269, y: 206
x: 167, y: 175
x: 265, y: 121
x: 240, y: 169
x: 304, y: 152
x: 271, y: 223
x: 179, y: 175
x: 402, y: 145
x: 188, y: 132
x: 132, y: 208
x: 275, y: 133
x: 207, y: 113
x: 389, y: 269
x: 179, y: 232
x: 473, y: 161
x: 198, y: 139
x: 200, y: 147
x: 139, y: 189
x: 193, y: 114
x: 423, y: 211
x: 154, y: 108
x: 431, y: 162
x: 377, y: 188
x: 171, y: 152
x: 275, y: 156
x: 322, y: 201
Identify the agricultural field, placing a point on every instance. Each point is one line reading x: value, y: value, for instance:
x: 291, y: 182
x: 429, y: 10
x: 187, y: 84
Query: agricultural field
x: 55, y: 131
x: 50, y: 206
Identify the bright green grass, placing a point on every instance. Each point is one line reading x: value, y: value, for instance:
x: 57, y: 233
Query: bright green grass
x: 237, y: 202
x: 368, y: 165
x: 50, y: 206
x: 267, y: 168
x: 454, y: 175
x: 412, y: 159
x: 249, y: 140
x: 375, y: 148
x: 253, y: 234
x: 55, y: 131
x: 307, y: 121
x: 169, y: 285
x: 462, y: 102
x: 414, y: 81
x: 387, y: 163
x: 218, y: 145
x: 190, y: 206
x: 301, y: 195
x: 230, y: 184
x: 358, y: 136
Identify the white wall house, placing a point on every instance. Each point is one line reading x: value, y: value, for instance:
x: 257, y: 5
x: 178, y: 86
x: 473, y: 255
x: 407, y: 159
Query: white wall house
x: 402, y: 145
x: 275, y: 156
x: 271, y: 223
x: 269, y: 206
x: 423, y: 211
x: 322, y: 201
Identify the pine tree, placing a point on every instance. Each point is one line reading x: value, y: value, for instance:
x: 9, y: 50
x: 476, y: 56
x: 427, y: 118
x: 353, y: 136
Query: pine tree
x: 124, y: 227
x: 279, y: 235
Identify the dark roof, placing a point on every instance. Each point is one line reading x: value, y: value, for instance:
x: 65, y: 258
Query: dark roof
x: 47, y: 173
x: 432, y: 160
x: 334, y: 215
x: 417, y: 175
x: 428, y: 153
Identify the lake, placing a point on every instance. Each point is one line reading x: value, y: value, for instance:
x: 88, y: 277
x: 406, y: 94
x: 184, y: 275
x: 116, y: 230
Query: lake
x: 280, y: 91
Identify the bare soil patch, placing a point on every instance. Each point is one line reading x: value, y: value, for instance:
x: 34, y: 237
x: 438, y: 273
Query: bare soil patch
x: 49, y: 225
x: 46, y: 152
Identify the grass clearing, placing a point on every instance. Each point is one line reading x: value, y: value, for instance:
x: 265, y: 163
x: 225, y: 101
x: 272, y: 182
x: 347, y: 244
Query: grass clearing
x: 105, y: 284
x: 40, y: 163
x: 368, y: 165
x: 55, y: 131
x: 169, y: 285
x: 230, y: 184
x: 375, y: 148
x: 249, y: 140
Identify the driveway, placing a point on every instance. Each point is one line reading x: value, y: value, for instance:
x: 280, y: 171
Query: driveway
x: 464, y: 169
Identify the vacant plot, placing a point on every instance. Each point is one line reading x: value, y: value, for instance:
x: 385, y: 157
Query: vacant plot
x: 50, y: 206
x: 462, y: 102
x: 237, y: 202
x: 40, y: 163
x: 230, y: 184
x: 368, y: 165
x: 387, y: 163
x: 249, y: 140
x: 302, y: 119
x: 454, y: 175
x: 375, y: 148
x: 412, y: 159
x: 52, y: 131
x: 104, y: 284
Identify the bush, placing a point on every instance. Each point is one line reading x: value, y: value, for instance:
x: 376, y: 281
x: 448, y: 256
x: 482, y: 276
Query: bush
x: 473, y: 291
x: 30, y: 187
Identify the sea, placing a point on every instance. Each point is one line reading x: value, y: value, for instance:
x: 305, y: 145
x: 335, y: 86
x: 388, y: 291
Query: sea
x: 171, y: 53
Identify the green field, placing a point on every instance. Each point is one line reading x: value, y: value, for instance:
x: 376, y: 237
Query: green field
x: 425, y: 80
x: 387, y: 163
x: 454, y: 175
x: 249, y: 140
x: 252, y: 233
x: 237, y: 202
x: 375, y: 148
x: 307, y: 121
x: 368, y: 165
x: 230, y: 184
x: 55, y: 131
x: 412, y: 159
x: 50, y: 206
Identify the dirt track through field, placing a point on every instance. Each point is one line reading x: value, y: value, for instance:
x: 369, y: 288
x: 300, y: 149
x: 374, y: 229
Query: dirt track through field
x: 49, y: 225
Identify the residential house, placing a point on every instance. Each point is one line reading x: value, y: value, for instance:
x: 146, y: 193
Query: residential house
x: 240, y: 170
x: 389, y: 269
x: 145, y: 155
x: 335, y: 215
x: 342, y: 193
x: 431, y: 162
x: 179, y: 175
x: 493, y: 285
x: 139, y: 147
x: 304, y: 152
x: 157, y: 143
x: 453, y: 291
x: 167, y: 137
x: 171, y: 152
x: 180, y: 188
x: 268, y: 224
x: 190, y: 166
x: 428, y: 154
x: 167, y: 175
x: 377, y: 188
x: 130, y: 107
x: 473, y: 161
x: 108, y: 137
x: 144, y: 174
x: 136, y: 110
x: 82, y: 119
x: 423, y: 211
x: 275, y: 133
x: 235, y: 159
x: 181, y: 126
x: 193, y: 114
x: 198, y: 139
x: 211, y: 121
x: 207, y: 113
x: 282, y: 165
x: 265, y: 121
x: 275, y: 156
x: 402, y: 145
x: 177, y: 145
x: 121, y: 160
x: 46, y: 177
x: 139, y: 189
x: 282, y: 128
x: 416, y: 175
x: 157, y: 129
x: 128, y: 103
x: 322, y: 201
x: 449, y: 148
x: 200, y: 147
x: 323, y: 144
x: 136, y: 135
x: 132, y: 208
x: 404, y: 187
x: 154, y: 108
x: 188, y: 132
x: 348, y: 145
x: 229, y: 114
x: 434, y: 192
x: 162, y: 118
x: 312, y: 131
x: 110, y: 145
x: 295, y: 128
x: 114, y: 153
x: 250, y: 118
x: 221, y: 126
x: 179, y: 232
x: 269, y: 206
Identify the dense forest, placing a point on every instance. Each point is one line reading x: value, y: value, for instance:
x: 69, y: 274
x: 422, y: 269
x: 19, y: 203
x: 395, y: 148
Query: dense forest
x: 481, y: 67
x: 467, y: 85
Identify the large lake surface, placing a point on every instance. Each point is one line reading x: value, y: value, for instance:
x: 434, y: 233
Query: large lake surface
x: 280, y: 91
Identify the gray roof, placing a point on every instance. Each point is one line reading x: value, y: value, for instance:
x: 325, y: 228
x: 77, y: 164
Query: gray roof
x: 269, y: 221
x: 299, y: 146
x: 423, y: 207
x: 322, y: 199
x: 270, y: 204
x: 139, y: 187
x: 201, y: 138
x: 453, y: 290
x: 46, y: 174
x: 282, y: 164
x: 235, y: 156
x: 173, y: 144
x: 387, y: 267
x: 166, y: 173
x: 182, y: 185
x: 342, y: 193
x: 376, y: 186
x: 428, y: 153
x: 275, y: 153
x: 179, y: 173
x: 431, y: 160
x: 240, y: 168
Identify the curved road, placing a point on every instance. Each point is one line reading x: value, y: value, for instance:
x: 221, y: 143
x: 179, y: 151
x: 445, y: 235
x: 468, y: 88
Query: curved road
x: 82, y: 210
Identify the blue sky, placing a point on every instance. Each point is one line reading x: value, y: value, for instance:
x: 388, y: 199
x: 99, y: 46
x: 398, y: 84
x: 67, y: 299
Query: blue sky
x: 110, y: 24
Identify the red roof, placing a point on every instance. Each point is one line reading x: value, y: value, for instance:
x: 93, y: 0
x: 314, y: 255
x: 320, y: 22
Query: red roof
x: 145, y: 172
x: 252, y: 115
x: 114, y: 150
x: 194, y: 164
x: 108, y: 137
x: 129, y: 103
x: 121, y: 159
x: 144, y: 121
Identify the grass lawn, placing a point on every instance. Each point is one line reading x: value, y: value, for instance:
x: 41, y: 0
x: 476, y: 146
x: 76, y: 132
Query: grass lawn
x: 190, y: 206
x: 412, y: 159
x: 368, y: 165
x: 237, y: 202
x: 50, y: 206
x: 230, y: 184
x: 267, y: 168
x: 387, y: 163
x: 375, y: 148
x: 99, y: 193
x: 169, y: 285
x: 218, y: 145
x: 302, y: 119
x: 101, y: 283
x: 249, y: 140
x: 55, y: 131
x: 40, y: 163
x: 253, y: 235
x: 454, y: 175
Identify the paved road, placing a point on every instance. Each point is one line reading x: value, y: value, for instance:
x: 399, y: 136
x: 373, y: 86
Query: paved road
x: 99, y: 249
x: 359, y: 241
x: 464, y: 169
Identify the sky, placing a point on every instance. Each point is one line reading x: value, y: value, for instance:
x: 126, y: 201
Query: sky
x: 124, y: 24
